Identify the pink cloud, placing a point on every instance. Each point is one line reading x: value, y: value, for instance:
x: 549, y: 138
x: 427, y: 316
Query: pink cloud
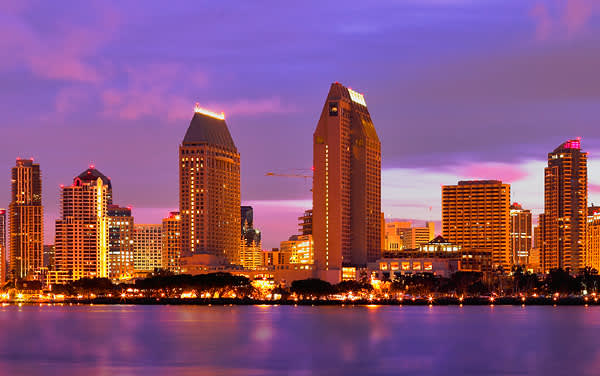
x: 61, y: 55
x: 593, y: 188
x: 494, y: 171
x: 568, y: 19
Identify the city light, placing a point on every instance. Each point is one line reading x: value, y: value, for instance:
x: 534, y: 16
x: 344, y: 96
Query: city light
x: 203, y: 111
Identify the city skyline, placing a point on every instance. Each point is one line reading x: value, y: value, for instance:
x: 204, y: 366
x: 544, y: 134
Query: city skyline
x: 89, y: 85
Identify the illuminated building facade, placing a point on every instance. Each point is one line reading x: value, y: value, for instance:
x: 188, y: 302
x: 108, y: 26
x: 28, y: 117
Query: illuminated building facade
x: 476, y: 215
x: 305, y: 223
x: 346, y: 185
x: 394, y: 235
x: 26, y: 220
x: 82, y: 232
x: 3, y: 252
x: 565, y: 209
x: 209, y: 181
x: 299, y: 249
x: 171, y: 242
x: 593, y: 239
x: 520, y: 234
x: 147, y: 247
x: 120, y: 235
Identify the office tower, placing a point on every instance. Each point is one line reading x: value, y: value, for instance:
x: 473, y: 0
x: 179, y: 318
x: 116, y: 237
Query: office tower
x: 3, y: 252
x: 413, y: 237
x: 565, y: 208
x: 249, y: 235
x: 394, y: 235
x: 247, y: 217
x: 209, y: 181
x: 26, y: 220
x: 171, y: 242
x: 305, y: 223
x: 520, y: 234
x: 593, y: 239
x: 431, y: 230
x: 49, y: 252
x: 120, y: 240
x: 476, y: 215
x: 346, y: 185
x: 82, y: 232
x: 147, y: 252
x: 298, y: 249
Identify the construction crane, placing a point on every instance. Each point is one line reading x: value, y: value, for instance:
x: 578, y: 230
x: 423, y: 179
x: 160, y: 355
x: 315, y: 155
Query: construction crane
x: 299, y: 174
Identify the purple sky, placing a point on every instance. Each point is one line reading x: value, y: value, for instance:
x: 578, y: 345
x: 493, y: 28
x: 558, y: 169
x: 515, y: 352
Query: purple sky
x: 457, y: 89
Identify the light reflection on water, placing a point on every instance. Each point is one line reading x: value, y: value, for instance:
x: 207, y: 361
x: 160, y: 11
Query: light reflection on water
x: 247, y: 340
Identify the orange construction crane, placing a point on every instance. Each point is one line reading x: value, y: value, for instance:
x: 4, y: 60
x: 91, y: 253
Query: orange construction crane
x: 291, y: 175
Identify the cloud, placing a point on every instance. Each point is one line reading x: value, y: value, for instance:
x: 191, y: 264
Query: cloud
x: 593, y: 188
x: 495, y: 171
x: 562, y: 18
x: 64, y: 53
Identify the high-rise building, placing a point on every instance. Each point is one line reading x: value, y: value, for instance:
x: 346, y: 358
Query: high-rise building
x: 476, y: 215
x: 346, y: 185
x: 593, y: 239
x: 298, y: 249
x: 120, y: 237
x: 147, y: 252
x: 26, y: 220
x: 250, y: 235
x: 565, y: 208
x: 82, y: 232
x: 3, y: 252
x: 209, y: 181
x: 49, y: 252
x: 520, y: 234
x: 305, y: 223
x: 171, y: 242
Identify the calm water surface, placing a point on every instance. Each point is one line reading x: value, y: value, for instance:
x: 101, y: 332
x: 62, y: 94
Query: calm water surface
x: 287, y: 340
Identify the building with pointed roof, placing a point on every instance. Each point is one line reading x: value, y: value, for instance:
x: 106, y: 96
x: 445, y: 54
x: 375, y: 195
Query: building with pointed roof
x: 209, y: 182
x: 346, y: 214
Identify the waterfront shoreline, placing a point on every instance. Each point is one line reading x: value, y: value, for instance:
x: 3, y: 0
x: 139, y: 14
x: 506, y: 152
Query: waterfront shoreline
x: 482, y: 301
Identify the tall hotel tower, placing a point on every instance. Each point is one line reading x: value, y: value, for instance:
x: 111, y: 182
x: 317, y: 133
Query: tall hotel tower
x: 82, y: 233
x: 209, y: 188
x: 346, y: 185
x: 26, y: 219
x: 476, y: 215
x: 2, y: 245
x: 565, y: 208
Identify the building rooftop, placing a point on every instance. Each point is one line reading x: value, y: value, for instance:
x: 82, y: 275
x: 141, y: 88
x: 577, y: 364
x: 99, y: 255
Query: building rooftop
x: 569, y: 145
x: 91, y: 174
x: 479, y: 182
x: 209, y: 128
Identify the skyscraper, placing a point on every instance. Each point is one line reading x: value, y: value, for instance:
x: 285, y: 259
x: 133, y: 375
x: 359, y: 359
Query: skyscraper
x: 26, y: 220
x: 2, y: 245
x: 476, y: 215
x: 209, y: 181
x: 520, y: 234
x: 147, y: 253
x: 171, y: 242
x: 120, y: 238
x: 346, y: 184
x: 565, y: 208
x: 82, y: 232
